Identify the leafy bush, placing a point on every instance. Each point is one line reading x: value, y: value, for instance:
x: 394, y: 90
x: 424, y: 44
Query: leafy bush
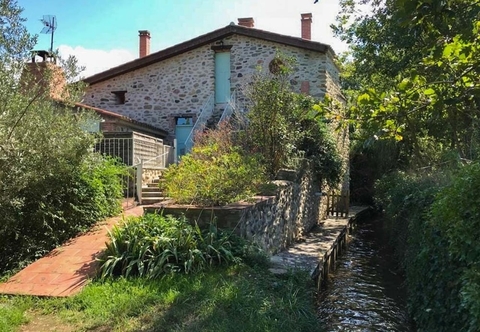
x: 268, y: 132
x: 405, y: 199
x: 284, y: 126
x: 55, y: 205
x: 152, y: 245
x: 215, y: 173
x: 453, y: 266
x: 315, y: 141
x: 50, y: 185
x: 434, y: 223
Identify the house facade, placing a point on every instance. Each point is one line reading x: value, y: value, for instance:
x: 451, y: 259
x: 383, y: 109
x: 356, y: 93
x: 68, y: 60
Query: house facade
x: 201, y: 78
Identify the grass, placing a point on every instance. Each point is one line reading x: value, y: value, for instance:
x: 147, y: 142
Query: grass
x: 238, y: 298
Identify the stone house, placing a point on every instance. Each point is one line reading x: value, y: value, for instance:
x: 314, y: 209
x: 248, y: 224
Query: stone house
x: 44, y: 76
x: 197, y: 80
x: 122, y: 137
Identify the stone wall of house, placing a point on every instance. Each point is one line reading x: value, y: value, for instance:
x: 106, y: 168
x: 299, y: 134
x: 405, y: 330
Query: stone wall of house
x: 179, y: 86
x: 332, y: 74
x: 249, y: 56
x: 158, y: 93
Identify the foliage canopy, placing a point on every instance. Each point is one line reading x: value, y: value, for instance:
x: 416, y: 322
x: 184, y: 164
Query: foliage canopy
x: 412, y: 73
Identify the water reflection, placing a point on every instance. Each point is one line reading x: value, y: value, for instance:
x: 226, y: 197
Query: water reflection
x: 365, y: 293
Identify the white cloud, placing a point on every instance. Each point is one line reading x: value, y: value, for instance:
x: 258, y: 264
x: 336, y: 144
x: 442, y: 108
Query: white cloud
x: 96, y: 61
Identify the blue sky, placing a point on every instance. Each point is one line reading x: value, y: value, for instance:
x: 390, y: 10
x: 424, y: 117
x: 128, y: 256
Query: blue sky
x: 104, y: 33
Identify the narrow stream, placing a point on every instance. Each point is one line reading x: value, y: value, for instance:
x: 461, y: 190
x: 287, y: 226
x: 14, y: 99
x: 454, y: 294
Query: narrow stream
x: 365, y: 293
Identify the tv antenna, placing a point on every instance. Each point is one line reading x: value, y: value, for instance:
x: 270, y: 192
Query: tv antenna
x: 50, y: 25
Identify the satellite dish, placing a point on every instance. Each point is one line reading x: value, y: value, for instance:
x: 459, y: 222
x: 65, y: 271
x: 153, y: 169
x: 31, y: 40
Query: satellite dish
x: 50, y: 25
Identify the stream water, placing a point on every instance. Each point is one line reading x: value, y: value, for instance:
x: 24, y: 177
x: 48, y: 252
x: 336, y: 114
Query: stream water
x: 364, y: 292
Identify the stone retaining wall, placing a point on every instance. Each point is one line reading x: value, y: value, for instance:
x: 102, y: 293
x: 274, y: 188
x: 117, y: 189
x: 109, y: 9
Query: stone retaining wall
x: 273, y: 222
x: 277, y: 222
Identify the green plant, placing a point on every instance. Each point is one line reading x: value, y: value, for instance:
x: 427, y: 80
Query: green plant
x: 413, y: 90
x: 454, y: 222
x: 51, y: 185
x: 272, y: 102
x: 433, y: 220
x: 215, y: 173
x: 314, y: 137
x: 57, y: 204
x: 153, y: 245
x: 234, y: 298
x: 285, y: 126
x: 405, y: 199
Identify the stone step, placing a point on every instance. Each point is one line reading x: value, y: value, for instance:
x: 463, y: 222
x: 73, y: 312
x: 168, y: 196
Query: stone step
x: 151, y: 189
x: 158, y: 180
x: 153, y: 200
x: 152, y: 194
x: 152, y: 185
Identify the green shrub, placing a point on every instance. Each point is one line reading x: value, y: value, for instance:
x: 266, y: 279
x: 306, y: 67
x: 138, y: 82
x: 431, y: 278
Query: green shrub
x: 405, y: 199
x: 314, y: 140
x: 271, y: 104
x: 284, y: 126
x: 455, y: 225
x: 153, y: 245
x: 434, y: 223
x: 215, y: 173
x: 54, y: 206
x: 50, y: 186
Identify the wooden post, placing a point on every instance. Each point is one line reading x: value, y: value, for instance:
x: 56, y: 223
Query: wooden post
x: 139, y: 181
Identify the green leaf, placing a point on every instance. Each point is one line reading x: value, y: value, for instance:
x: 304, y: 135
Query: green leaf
x: 448, y: 50
x: 404, y: 84
x: 363, y: 99
x: 429, y: 92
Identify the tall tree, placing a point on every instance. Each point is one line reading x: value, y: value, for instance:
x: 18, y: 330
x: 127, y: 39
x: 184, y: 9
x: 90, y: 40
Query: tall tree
x: 412, y: 72
x: 50, y: 186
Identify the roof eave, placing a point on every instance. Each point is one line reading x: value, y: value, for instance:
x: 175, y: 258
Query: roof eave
x: 124, y: 119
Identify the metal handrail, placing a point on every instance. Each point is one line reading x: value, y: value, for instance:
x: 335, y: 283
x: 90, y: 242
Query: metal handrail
x: 139, y: 173
x: 205, y: 113
x: 229, y: 109
x: 142, y: 162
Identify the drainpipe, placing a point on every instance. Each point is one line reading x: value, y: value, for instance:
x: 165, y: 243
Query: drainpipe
x: 175, y: 156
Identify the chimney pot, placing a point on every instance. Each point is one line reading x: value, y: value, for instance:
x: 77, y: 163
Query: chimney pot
x: 247, y: 22
x: 307, y: 26
x: 144, y: 48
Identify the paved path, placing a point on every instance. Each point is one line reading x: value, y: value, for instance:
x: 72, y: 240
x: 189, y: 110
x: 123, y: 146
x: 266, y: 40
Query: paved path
x: 306, y: 255
x: 66, y: 269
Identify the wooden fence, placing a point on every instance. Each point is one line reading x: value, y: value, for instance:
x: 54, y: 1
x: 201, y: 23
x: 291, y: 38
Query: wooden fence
x: 338, y: 204
x: 131, y: 148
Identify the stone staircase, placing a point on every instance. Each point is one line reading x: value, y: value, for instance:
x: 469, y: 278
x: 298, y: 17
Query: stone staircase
x: 152, y: 193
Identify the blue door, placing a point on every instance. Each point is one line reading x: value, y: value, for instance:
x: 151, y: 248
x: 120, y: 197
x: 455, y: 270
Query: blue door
x: 222, y: 77
x: 183, y: 129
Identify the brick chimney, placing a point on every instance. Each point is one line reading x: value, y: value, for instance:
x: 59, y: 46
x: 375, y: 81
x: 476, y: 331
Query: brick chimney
x: 44, y: 76
x: 247, y: 22
x: 307, y: 26
x: 144, y: 48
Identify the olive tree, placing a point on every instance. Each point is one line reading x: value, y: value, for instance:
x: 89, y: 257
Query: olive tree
x: 51, y: 185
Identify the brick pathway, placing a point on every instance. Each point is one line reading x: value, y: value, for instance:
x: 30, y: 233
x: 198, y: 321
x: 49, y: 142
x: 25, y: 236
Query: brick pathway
x: 66, y: 269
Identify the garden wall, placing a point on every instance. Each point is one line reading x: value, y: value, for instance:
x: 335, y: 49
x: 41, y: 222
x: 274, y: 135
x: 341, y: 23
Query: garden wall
x: 273, y: 222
